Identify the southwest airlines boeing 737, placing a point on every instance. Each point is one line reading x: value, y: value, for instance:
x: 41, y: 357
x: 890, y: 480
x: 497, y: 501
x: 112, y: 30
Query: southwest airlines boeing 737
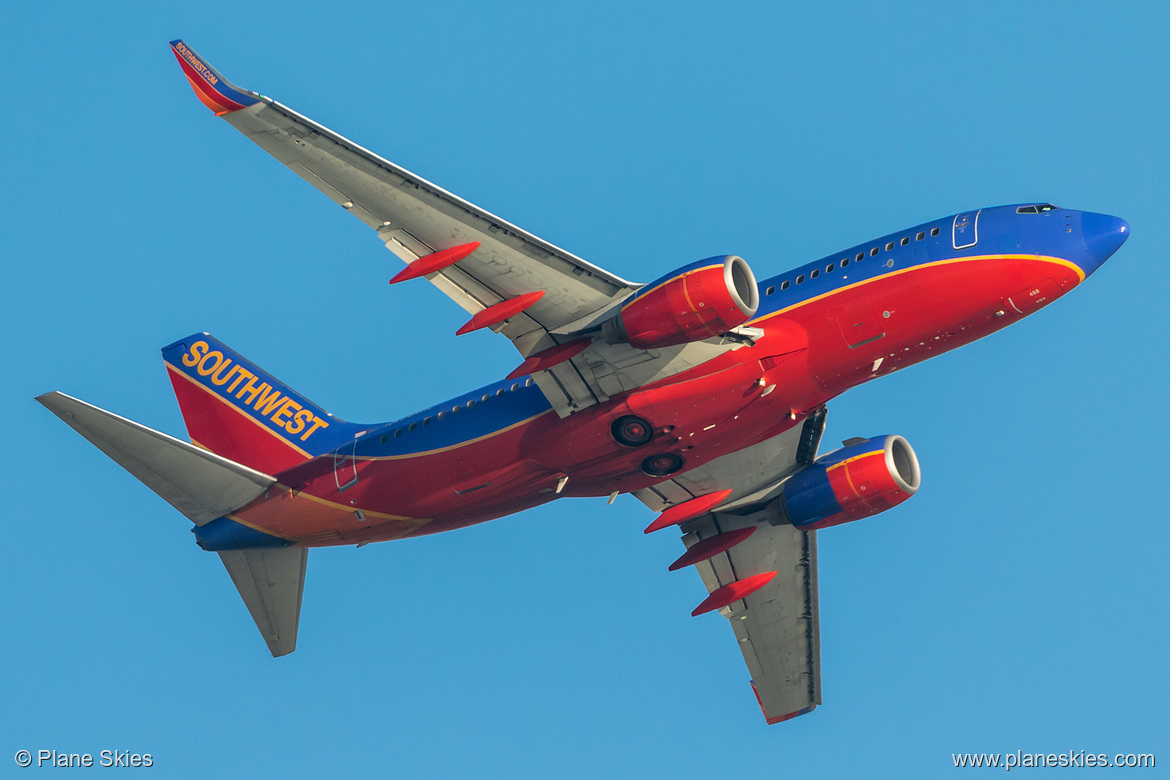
x: 702, y: 393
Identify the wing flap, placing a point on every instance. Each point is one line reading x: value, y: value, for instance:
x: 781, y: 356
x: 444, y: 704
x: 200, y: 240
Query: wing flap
x: 200, y: 484
x: 271, y: 582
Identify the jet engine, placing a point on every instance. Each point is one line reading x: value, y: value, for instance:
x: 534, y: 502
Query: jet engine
x: 695, y: 302
x: 859, y: 480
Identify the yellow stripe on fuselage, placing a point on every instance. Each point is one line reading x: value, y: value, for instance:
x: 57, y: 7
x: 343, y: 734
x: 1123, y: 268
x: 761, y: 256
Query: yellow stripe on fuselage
x: 934, y: 264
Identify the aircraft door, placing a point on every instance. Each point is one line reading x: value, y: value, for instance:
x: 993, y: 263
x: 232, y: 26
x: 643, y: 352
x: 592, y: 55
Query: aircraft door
x: 965, y: 230
x: 345, y: 465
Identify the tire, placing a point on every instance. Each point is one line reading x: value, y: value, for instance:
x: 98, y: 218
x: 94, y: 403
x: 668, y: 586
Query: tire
x: 663, y: 464
x: 632, y: 431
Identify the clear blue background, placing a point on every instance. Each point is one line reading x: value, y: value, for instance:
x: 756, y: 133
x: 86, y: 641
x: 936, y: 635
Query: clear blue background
x: 1019, y: 602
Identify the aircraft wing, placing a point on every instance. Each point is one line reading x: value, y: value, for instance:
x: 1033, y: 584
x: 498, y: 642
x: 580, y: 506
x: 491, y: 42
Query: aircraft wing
x: 417, y: 219
x: 777, y: 627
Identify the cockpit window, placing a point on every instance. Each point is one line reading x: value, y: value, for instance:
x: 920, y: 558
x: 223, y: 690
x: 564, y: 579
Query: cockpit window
x: 1038, y: 208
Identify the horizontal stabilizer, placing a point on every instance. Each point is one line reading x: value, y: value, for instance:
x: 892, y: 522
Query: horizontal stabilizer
x: 200, y: 484
x: 271, y: 582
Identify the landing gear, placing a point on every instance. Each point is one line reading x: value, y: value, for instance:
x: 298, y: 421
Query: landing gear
x: 631, y: 431
x: 662, y: 465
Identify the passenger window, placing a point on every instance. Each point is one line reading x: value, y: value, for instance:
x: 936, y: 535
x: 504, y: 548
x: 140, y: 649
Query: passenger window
x: 905, y: 240
x: 830, y: 268
x: 784, y: 285
x: 455, y: 409
x: 383, y: 439
x: 426, y: 421
x: 470, y: 402
x: 859, y: 258
x: 441, y: 415
x: 800, y: 279
x: 486, y: 396
x: 500, y: 392
x: 398, y: 434
x: 528, y: 382
x: 934, y: 231
x: 815, y: 273
x: 873, y: 252
x: 515, y: 387
x: 889, y: 246
x: 412, y: 426
x: 770, y: 290
x: 920, y: 236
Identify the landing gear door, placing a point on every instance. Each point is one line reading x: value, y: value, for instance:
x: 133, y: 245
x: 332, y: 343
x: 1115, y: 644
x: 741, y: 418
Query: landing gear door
x: 965, y: 231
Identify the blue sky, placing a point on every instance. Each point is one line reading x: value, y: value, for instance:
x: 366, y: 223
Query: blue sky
x: 1017, y: 603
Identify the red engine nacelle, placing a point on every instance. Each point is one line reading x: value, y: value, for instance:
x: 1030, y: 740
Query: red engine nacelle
x: 695, y: 302
x: 860, y: 480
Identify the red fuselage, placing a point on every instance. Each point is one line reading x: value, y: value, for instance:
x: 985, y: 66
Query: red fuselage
x: 873, y: 316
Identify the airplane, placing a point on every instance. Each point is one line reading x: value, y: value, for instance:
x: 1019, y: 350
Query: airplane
x: 702, y: 393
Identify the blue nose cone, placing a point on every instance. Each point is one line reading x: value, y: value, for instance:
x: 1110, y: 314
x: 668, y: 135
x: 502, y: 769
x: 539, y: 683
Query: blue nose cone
x: 1103, y: 236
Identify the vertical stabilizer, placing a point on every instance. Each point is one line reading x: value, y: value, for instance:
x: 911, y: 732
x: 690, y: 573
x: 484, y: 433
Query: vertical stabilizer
x: 236, y: 409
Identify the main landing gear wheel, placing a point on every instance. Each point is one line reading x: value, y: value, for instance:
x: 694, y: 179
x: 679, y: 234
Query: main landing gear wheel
x: 662, y: 465
x: 631, y: 431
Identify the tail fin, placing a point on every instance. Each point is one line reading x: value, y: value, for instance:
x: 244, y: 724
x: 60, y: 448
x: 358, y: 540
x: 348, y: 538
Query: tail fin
x: 270, y: 575
x: 237, y: 410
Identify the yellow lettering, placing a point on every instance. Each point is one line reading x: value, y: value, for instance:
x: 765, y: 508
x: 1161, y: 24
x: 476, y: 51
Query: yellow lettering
x: 203, y: 369
x: 244, y: 374
x: 217, y: 380
x: 317, y: 423
x: 288, y: 407
x: 297, y: 423
x: 198, y: 349
x: 268, y: 401
x: 251, y: 389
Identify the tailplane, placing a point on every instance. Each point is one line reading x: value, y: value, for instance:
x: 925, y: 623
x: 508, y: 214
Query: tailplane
x: 238, y: 410
x: 268, y: 572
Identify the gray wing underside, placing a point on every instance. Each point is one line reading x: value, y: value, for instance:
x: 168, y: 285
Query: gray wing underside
x: 777, y: 627
x: 414, y: 218
x: 200, y: 484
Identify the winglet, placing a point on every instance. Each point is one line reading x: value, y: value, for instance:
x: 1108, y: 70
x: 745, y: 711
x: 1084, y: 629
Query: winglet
x: 216, y: 92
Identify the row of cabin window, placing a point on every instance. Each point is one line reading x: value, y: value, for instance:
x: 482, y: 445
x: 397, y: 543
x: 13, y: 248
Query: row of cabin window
x: 455, y: 409
x: 845, y: 261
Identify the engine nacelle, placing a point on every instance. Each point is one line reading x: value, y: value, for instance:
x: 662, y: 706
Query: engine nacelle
x: 692, y: 303
x: 857, y: 481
